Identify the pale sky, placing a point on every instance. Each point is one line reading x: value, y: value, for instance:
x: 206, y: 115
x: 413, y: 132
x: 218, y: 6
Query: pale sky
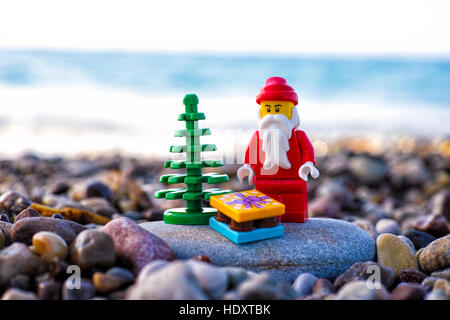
x: 232, y: 26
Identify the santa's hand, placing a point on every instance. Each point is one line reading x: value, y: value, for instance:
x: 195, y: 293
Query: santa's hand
x: 307, y: 168
x: 246, y: 171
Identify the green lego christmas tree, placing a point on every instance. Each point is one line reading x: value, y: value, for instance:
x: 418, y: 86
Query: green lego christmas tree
x: 194, y: 194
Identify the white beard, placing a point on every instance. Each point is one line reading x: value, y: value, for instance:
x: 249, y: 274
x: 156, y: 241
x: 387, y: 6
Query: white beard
x: 275, y: 132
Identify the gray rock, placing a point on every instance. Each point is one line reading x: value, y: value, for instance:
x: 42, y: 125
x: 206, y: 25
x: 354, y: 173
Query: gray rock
x: 412, y: 275
x: 387, y: 226
x: 24, y: 229
x: 236, y: 276
x: 14, y: 202
x: 367, y: 169
x: 441, y: 203
x: 86, y: 290
x: 429, y: 282
x: 18, y: 259
x: 5, y: 228
x: 49, y: 290
x: 265, y: 287
x: 100, y: 206
x: 360, y: 290
x: 81, y: 168
x: 2, y: 239
x: 367, y: 226
x: 176, y: 281
x: 22, y: 282
x: 213, y: 280
x: 409, y: 172
x: 408, y: 291
x: 94, y: 189
x: 303, y: 285
x: 436, y: 295
x: 92, y: 248
x: 17, y: 294
x: 232, y: 295
x: 323, y: 287
x: 444, y: 274
x: 151, y: 267
x: 409, y: 243
x: 363, y: 271
x: 420, y: 239
x: 322, y: 247
x: 27, y: 213
x: 434, y: 224
x: 112, y: 280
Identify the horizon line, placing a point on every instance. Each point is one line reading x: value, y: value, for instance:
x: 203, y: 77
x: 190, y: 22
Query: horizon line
x: 248, y: 53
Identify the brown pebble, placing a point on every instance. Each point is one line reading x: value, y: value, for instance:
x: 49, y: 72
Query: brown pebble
x: 5, y: 227
x: 395, y: 253
x: 367, y: 226
x: 23, y: 230
x: 154, y: 214
x: 49, y: 290
x: 27, y: 213
x: 2, y: 239
x: 85, y: 291
x: 49, y: 245
x: 100, y: 206
x: 92, y: 248
x: 14, y: 201
x: 97, y: 189
x: 443, y: 285
x: 202, y: 259
x: 118, y: 295
x: 323, y: 287
x: 325, y: 207
x: 113, y: 280
x: 444, y: 274
x: 363, y: 271
x: 59, y: 187
x: 434, y: 224
x: 429, y: 282
x: 408, y: 291
x: 18, y: 259
x: 412, y: 275
x: 436, y: 255
x: 58, y: 269
x: 21, y: 281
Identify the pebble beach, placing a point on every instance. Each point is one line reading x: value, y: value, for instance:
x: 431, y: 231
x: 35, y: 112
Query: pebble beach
x: 96, y: 217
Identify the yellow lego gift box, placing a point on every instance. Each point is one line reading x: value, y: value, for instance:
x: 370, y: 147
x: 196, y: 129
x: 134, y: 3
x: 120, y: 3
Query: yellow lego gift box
x: 247, y: 206
x: 247, y: 216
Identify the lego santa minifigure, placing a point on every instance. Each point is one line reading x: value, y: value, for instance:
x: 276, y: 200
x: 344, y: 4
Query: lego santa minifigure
x: 279, y: 157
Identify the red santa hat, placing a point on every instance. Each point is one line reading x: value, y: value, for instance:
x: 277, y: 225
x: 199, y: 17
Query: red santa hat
x: 277, y: 89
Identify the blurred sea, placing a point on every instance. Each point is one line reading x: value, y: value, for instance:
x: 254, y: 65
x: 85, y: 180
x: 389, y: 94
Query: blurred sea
x: 71, y: 102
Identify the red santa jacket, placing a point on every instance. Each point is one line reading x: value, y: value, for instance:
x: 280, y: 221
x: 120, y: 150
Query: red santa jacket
x: 300, y: 151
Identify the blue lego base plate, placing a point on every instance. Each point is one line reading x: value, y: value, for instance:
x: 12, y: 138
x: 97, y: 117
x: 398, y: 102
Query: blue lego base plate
x: 245, y: 237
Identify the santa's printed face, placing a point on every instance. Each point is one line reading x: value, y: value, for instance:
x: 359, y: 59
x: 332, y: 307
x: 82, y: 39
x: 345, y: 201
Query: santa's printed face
x: 275, y: 129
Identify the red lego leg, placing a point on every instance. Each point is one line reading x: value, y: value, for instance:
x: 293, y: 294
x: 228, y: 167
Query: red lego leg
x: 275, y: 197
x: 296, y: 207
x: 290, y: 192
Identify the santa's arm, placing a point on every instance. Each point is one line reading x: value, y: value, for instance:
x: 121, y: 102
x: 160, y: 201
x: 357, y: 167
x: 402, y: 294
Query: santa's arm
x: 308, y: 158
x: 250, y: 159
